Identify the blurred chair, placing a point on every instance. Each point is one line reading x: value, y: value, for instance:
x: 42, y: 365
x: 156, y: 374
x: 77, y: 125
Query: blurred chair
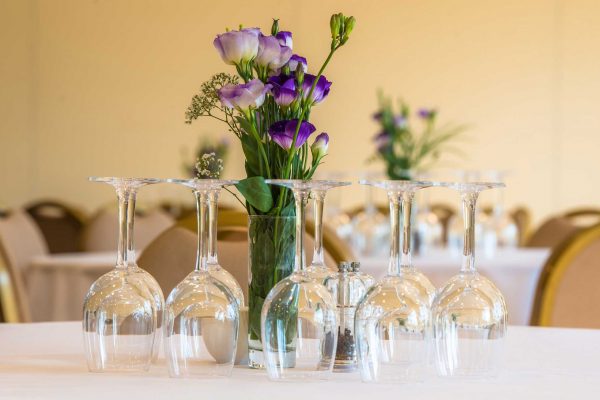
x: 14, y: 305
x: 557, y: 229
x: 21, y: 240
x: 171, y: 256
x: 60, y: 224
x: 381, y: 208
x: 444, y: 212
x: 522, y: 218
x: 567, y: 293
x: 101, y: 233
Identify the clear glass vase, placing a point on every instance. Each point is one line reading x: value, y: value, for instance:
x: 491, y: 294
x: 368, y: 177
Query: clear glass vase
x: 271, y: 244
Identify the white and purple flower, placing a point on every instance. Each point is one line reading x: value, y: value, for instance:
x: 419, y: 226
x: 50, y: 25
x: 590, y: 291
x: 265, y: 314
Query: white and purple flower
x: 237, y: 47
x: 271, y: 54
x: 321, y: 88
x: 244, y: 96
x: 295, y: 61
x: 282, y: 133
x: 283, y: 89
x: 426, y: 113
x: 320, y: 146
x: 285, y: 38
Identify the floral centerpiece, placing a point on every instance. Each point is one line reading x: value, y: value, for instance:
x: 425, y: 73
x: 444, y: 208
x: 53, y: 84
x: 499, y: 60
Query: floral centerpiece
x: 267, y: 105
x: 405, y: 146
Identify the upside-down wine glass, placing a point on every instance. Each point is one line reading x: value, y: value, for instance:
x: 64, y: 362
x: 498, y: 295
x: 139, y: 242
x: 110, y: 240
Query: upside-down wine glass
x: 469, y: 313
x: 122, y: 311
x: 298, y: 317
x: 392, y: 320
x: 317, y: 268
x: 202, y: 314
x: 214, y: 268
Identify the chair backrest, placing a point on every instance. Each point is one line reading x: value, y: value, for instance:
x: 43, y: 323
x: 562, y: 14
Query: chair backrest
x: 14, y: 305
x: 583, y: 217
x: 60, y: 224
x: 567, y: 293
x: 101, y: 233
x: 522, y: 218
x: 552, y: 233
x: 444, y: 212
x: 21, y: 239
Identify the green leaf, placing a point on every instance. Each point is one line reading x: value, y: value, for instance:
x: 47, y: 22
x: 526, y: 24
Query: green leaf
x: 256, y: 192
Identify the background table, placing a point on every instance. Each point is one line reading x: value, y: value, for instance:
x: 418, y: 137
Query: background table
x: 514, y: 271
x: 46, y: 361
x: 58, y: 283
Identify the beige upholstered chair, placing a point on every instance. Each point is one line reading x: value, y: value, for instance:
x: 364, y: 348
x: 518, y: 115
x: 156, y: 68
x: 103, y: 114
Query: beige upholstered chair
x: 553, y: 232
x: 101, y: 234
x: 21, y: 239
x: 60, y: 224
x: 14, y: 305
x: 568, y: 292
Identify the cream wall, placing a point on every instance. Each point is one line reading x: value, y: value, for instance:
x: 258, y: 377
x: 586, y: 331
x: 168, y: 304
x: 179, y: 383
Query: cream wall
x: 100, y: 88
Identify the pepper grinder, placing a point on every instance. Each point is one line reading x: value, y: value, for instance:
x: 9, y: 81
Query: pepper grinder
x: 347, y: 288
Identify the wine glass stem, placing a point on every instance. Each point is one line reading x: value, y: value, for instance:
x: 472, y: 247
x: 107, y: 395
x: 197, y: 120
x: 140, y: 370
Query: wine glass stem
x: 319, y: 200
x: 123, y: 198
x: 300, y: 199
x: 201, y: 211
x: 469, y: 204
x: 130, y: 221
x: 400, y: 214
x: 213, y: 199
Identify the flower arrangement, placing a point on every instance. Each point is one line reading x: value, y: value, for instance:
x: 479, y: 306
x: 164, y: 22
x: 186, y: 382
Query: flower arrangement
x: 402, y: 147
x: 267, y: 105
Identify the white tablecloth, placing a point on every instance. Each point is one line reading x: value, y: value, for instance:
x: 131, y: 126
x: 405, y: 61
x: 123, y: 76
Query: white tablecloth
x: 514, y: 271
x: 58, y: 283
x: 45, y: 361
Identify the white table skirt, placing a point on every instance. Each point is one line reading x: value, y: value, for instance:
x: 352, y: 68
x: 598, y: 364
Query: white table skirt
x: 514, y: 271
x: 46, y: 361
x: 58, y: 283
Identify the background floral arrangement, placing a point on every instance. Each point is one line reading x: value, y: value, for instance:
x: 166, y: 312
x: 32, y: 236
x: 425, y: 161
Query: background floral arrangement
x: 210, y: 158
x: 405, y: 149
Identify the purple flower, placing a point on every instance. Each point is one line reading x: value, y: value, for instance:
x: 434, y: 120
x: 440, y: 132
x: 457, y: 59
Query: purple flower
x: 319, y: 146
x: 426, y: 113
x: 296, y: 60
x: 382, y: 140
x: 283, y: 89
x: 400, y: 121
x: 285, y: 38
x: 321, y: 89
x: 282, y: 133
x: 271, y: 54
x: 236, y: 47
x: 245, y: 96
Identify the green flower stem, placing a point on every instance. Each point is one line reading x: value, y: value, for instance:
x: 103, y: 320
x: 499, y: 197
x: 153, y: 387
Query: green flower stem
x: 258, y: 139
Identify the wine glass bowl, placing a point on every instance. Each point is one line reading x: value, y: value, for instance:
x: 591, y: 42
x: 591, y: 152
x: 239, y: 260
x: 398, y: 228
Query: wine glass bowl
x: 393, y: 319
x: 298, y: 317
x: 122, y: 311
x: 469, y: 313
x: 202, y: 314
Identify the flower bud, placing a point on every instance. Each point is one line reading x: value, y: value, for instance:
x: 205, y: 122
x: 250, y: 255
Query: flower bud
x: 334, y: 24
x: 275, y: 27
x: 319, y: 147
x: 299, y: 76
